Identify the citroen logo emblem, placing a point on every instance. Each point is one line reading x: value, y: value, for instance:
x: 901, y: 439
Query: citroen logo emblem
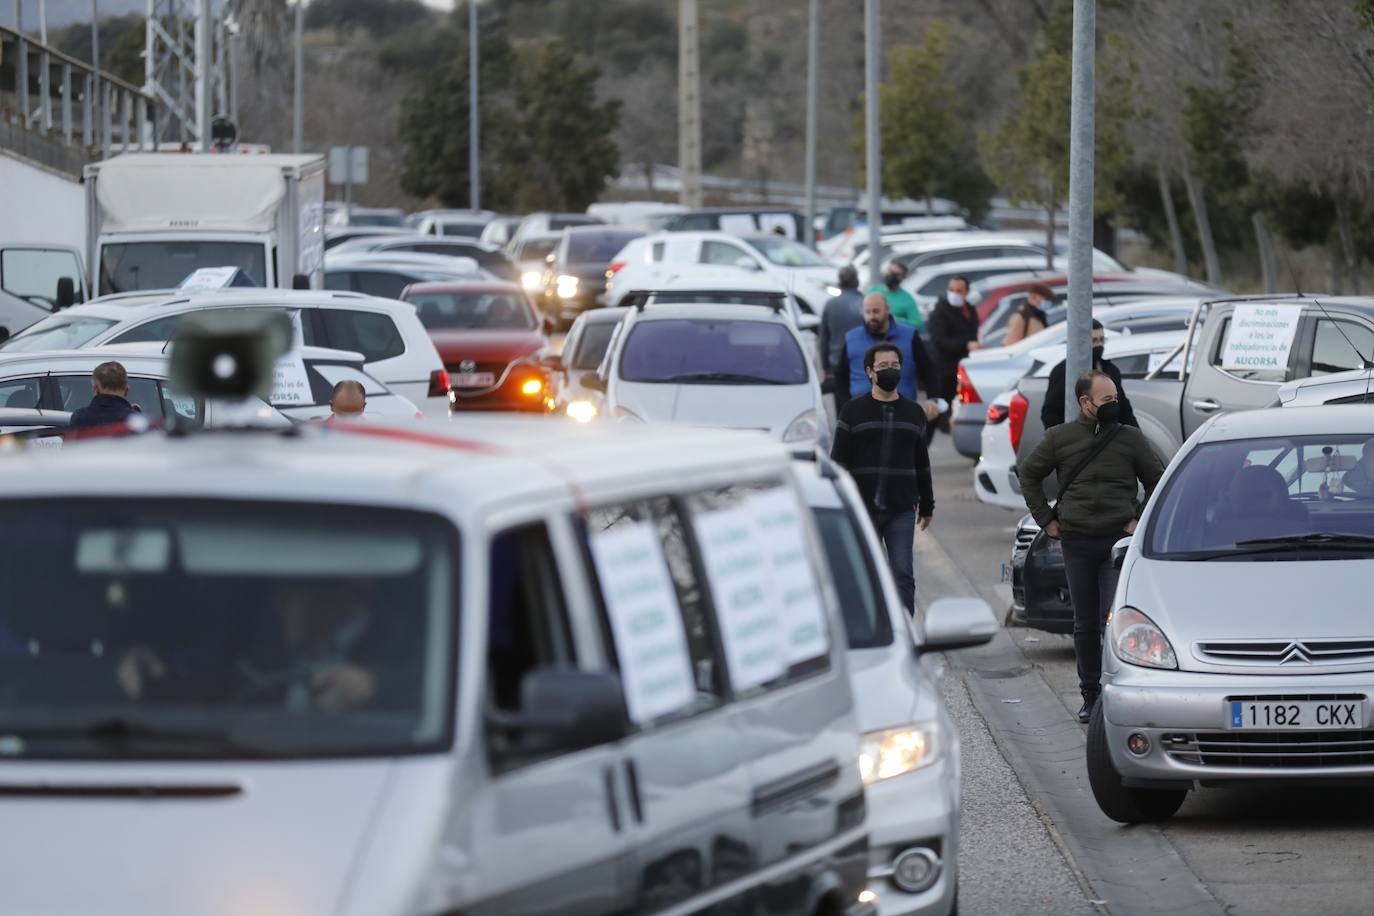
x: 1295, y: 653
x: 467, y: 365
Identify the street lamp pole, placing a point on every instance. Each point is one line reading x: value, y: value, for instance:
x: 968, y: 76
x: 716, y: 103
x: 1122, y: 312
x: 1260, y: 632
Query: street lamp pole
x: 474, y: 112
x: 298, y: 93
x: 1080, y: 200
x: 813, y: 53
x: 874, y: 165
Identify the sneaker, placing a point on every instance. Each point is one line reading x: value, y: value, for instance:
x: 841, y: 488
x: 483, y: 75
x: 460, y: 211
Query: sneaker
x: 1085, y: 712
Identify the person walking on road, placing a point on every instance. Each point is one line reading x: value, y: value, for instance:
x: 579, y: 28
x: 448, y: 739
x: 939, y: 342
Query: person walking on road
x: 900, y: 302
x: 852, y: 379
x: 841, y: 314
x: 953, y: 335
x: 1052, y: 411
x: 1098, y: 461
x: 881, y: 440
x: 1029, y: 318
x: 110, y: 404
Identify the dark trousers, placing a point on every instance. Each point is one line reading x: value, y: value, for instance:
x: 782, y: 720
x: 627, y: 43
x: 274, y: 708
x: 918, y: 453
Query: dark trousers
x: 1092, y: 583
x: 898, y: 533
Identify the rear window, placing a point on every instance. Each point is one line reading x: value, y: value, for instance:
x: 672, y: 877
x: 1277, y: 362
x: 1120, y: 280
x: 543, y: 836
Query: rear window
x: 597, y: 247
x: 373, y: 335
x: 712, y: 352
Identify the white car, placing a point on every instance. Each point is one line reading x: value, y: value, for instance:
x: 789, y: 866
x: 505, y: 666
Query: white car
x: 730, y: 366
x: 791, y: 265
x: 994, y: 477
x: 1355, y: 386
x: 387, y: 333
x: 928, y: 283
x: 461, y: 223
x: 910, y: 762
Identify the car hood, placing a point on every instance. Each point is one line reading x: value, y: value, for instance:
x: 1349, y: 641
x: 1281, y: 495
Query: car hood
x: 486, y: 345
x: 887, y: 684
x: 770, y: 408
x: 1279, y: 600
x: 292, y: 840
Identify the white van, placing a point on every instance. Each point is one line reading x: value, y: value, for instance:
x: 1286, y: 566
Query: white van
x: 367, y: 670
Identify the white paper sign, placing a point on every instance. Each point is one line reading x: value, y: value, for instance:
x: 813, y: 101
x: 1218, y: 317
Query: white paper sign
x: 738, y: 224
x: 772, y: 222
x: 794, y: 588
x: 646, y: 621
x: 290, y: 384
x: 1261, y: 337
x: 739, y: 569
x: 209, y: 278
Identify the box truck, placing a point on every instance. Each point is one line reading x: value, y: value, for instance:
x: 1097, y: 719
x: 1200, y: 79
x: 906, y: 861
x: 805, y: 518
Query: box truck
x: 152, y: 219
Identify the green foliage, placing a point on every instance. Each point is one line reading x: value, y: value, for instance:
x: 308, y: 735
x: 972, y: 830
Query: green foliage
x: 547, y: 141
x: 378, y: 17
x: 928, y: 147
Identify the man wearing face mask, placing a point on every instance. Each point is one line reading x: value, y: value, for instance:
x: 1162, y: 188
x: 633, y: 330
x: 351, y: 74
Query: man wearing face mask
x: 1098, y: 462
x: 953, y: 335
x: 900, y: 303
x: 1052, y: 411
x: 851, y: 376
x: 881, y: 440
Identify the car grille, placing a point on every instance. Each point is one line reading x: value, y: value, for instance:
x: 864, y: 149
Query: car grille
x: 1273, y: 750
x: 1295, y: 653
x: 1024, y: 538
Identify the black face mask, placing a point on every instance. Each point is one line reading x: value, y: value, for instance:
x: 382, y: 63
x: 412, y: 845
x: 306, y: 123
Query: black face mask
x: 891, y: 281
x: 887, y: 379
x: 1109, y: 413
x: 1097, y: 354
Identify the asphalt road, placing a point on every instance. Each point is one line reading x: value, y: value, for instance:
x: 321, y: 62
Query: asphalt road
x: 1034, y: 840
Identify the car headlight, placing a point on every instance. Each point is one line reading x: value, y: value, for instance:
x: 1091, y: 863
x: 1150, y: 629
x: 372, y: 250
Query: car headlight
x: 626, y: 416
x: 807, y: 426
x: 567, y: 287
x: 1138, y: 641
x: 531, y: 279
x: 894, y: 751
x: 582, y: 411
x: 833, y: 291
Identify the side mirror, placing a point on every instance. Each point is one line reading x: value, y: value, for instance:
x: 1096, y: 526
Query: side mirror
x: 594, y: 382
x: 747, y: 264
x: 565, y: 710
x: 958, y: 623
x: 66, y: 293
x: 1119, y: 551
x: 300, y: 281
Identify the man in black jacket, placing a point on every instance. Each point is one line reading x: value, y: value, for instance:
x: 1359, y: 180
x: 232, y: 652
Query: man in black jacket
x: 1052, y: 411
x: 111, y: 404
x: 953, y: 328
x: 881, y: 440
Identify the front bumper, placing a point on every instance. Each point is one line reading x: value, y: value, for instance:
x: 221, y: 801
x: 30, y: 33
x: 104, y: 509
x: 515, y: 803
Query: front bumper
x: 1184, y: 716
x: 1040, y: 591
x: 920, y: 809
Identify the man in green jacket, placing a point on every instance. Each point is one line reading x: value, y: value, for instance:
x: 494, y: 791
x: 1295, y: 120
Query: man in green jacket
x: 1098, y: 509
x: 900, y: 302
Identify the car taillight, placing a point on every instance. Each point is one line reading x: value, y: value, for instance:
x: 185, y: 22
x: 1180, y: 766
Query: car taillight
x: 997, y: 413
x: 614, y: 268
x: 1016, y: 413
x: 439, y: 383
x: 967, y: 393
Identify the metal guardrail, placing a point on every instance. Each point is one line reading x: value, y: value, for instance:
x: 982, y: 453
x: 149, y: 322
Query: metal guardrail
x: 62, y: 112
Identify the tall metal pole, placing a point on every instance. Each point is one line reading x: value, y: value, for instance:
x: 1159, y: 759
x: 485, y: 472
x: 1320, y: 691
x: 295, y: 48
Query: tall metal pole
x: 1081, y: 200
x: 474, y: 112
x: 43, y: 21
x: 203, y: 65
x: 872, y: 141
x: 298, y: 95
x: 813, y: 54
x: 689, y: 103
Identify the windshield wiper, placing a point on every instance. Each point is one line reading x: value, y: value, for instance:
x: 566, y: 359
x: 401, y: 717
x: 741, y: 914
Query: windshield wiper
x: 731, y: 378
x: 1317, y: 540
x: 121, y: 732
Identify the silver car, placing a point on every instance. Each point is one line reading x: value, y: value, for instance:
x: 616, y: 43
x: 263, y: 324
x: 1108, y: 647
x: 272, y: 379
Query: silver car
x: 1240, y: 647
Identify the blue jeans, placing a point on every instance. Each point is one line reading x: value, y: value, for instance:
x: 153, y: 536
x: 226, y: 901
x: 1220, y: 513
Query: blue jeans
x: 898, y: 533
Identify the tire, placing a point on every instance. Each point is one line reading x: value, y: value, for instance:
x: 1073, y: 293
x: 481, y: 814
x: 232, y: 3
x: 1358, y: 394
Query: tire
x: 1118, y: 802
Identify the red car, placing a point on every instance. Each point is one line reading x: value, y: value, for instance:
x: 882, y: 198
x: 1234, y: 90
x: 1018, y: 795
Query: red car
x: 492, y: 341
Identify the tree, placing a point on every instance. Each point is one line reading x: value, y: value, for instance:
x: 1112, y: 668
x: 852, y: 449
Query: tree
x: 379, y: 17
x: 929, y: 149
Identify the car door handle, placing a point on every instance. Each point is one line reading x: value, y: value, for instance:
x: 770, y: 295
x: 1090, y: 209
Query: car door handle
x: 1206, y: 405
x: 632, y: 780
x: 612, y: 806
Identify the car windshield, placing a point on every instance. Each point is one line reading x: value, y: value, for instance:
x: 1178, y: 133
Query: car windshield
x: 473, y: 310
x: 536, y: 249
x: 786, y: 253
x: 1267, y: 498
x: 385, y: 220
x: 597, y: 247
x: 60, y: 332
x: 712, y: 352
x: 218, y: 629
x: 591, y: 349
x: 866, y: 619
x: 128, y: 266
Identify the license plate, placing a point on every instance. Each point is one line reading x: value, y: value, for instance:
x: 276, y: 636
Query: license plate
x: 474, y: 380
x: 1294, y: 715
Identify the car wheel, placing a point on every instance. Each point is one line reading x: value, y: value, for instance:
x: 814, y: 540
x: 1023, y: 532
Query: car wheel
x: 1119, y: 802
